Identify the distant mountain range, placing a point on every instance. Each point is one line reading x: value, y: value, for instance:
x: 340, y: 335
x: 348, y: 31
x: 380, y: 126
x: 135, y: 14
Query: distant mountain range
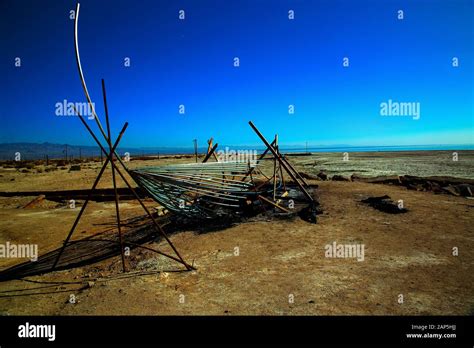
x: 30, y: 151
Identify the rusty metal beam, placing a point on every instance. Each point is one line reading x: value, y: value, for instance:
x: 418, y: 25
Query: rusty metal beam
x: 272, y: 203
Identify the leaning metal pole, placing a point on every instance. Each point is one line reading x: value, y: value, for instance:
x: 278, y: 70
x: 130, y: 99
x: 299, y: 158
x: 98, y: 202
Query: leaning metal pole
x: 282, y: 162
x: 89, y: 197
x: 117, y: 209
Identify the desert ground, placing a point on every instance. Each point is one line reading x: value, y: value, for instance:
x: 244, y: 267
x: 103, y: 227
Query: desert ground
x: 265, y: 267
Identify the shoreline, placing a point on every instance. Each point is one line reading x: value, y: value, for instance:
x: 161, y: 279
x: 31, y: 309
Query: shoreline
x: 94, y: 153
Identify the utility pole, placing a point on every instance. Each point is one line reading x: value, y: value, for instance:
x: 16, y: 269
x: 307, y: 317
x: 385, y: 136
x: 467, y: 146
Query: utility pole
x: 66, y: 152
x: 196, y: 149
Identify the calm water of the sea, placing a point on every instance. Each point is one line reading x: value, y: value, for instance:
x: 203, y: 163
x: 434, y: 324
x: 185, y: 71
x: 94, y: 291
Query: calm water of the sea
x: 380, y: 148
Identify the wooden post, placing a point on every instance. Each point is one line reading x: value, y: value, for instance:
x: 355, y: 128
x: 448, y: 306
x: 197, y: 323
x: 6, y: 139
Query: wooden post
x: 210, y: 153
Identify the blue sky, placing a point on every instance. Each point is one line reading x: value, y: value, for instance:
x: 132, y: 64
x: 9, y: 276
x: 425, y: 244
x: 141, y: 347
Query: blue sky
x: 282, y: 62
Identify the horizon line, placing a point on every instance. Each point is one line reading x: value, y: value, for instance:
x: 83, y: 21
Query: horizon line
x: 303, y: 146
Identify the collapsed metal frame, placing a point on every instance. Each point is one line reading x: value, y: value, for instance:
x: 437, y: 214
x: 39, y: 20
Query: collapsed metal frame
x: 213, y: 190
x: 222, y: 184
x: 176, y: 187
x: 210, y: 182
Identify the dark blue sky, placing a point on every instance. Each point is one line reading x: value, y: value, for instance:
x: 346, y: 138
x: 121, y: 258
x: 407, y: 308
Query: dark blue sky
x: 282, y: 62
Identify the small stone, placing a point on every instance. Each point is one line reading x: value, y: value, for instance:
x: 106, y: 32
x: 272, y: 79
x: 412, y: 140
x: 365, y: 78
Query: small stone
x: 308, y: 176
x: 340, y: 178
x: 322, y: 175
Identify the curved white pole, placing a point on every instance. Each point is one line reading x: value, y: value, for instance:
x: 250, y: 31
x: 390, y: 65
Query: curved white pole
x: 83, y: 81
x: 81, y: 74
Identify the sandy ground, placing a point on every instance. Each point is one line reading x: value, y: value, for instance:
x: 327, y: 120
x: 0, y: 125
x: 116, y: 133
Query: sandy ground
x: 273, y: 267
